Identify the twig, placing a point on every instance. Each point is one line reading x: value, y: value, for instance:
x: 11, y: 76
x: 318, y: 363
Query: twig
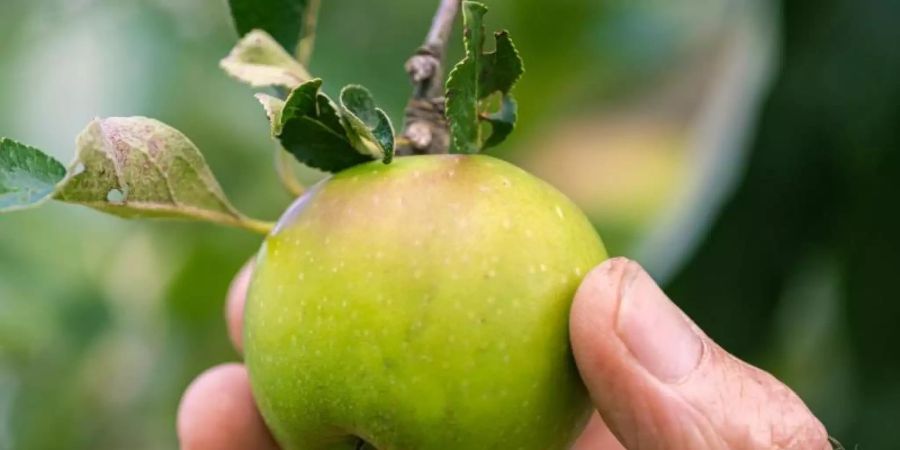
x: 303, y: 54
x: 308, y: 41
x: 285, y: 170
x: 425, y: 130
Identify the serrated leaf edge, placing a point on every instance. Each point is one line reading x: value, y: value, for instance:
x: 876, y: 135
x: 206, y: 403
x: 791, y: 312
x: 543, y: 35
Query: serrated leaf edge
x: 504, y: 34
x: 273, y: 106
x: 46, y: 197
x: 473, y: 56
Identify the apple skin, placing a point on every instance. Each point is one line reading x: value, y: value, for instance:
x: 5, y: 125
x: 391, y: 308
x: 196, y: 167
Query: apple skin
x: 421, y: 305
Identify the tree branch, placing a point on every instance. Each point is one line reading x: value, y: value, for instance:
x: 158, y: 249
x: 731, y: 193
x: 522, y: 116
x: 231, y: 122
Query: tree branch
x: 425, y: 130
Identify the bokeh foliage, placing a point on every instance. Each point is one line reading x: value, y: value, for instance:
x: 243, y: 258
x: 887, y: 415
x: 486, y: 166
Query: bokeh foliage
x: 816, y: 214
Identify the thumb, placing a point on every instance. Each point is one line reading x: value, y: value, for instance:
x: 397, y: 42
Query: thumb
x: 660, y: 383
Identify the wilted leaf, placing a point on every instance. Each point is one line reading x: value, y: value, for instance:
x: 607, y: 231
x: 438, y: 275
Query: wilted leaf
x: 27, y: 175
x: 140, y: 167
x: 260, y: 61
x: 282, y: 19
x: 475, y: 78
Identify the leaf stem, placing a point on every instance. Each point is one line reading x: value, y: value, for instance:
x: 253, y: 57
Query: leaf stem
x: 256, y: 226
x: 286, y: 175
x: 308, y: 41
x: 425, y: 130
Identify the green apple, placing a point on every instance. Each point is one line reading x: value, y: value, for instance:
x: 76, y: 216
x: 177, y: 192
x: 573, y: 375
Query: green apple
x: 421, y: 305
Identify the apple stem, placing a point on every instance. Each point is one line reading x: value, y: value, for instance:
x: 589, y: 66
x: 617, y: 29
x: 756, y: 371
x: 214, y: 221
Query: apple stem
x: 425, y: 129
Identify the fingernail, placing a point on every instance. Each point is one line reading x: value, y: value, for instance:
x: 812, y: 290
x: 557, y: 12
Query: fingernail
x: 656, y: 332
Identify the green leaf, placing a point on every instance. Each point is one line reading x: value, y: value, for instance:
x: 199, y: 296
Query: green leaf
x: 260, y: 61
x: 500, y: 69
x: 28, y: 176
x: 369, y: 128
x: 474, y: 79
x: 328, y: 114
x: 140, y: 167
x: 384, y: 133
x: 302, y: 101
x: 282, y: 19
x: 502, y: 122
x: 318, y: 146
x: 324, y: 136
x: 462, y: 84
x: 309, y: 126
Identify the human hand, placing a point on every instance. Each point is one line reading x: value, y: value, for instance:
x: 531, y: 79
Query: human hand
x: 656, y: 380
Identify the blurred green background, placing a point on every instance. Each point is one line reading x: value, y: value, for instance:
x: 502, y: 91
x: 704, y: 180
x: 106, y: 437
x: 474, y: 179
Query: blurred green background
x: 747, y: 153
